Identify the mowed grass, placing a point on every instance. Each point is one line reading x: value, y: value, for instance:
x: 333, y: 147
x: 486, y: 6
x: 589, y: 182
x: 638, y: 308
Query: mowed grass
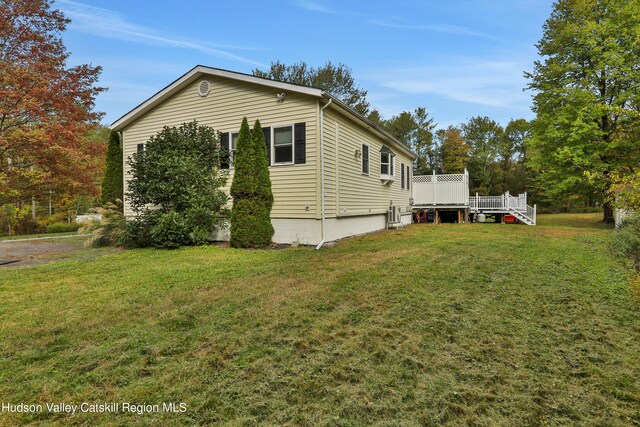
x: 471, y: 324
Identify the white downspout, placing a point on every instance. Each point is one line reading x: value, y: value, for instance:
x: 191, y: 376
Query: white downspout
x: 322, y: 173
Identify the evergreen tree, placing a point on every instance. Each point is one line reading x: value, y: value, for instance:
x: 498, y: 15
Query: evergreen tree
x: 251, y: 190
x: 112, y: 186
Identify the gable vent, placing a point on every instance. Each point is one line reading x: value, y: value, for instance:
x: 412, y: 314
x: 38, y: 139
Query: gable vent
x: 204, y: 88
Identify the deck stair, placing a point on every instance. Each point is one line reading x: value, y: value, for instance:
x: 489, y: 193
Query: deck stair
x: 450, y: 192
x: 505, y: 204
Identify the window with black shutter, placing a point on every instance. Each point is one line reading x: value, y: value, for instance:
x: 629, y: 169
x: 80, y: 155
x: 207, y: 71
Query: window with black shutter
x: 140, y: 148
x: 300, y: 148
x: 225, y: 152
x: 402, y: 175
x: 267, y: 139
x: 365, y: 159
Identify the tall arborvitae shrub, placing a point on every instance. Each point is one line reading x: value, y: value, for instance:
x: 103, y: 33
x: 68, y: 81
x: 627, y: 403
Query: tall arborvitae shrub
x: 251, y: 190
x: 112, y: 187
x: 263, y: 193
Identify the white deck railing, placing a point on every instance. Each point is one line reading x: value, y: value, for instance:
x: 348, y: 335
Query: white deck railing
x: 504, y: 202
x: 447, y: 189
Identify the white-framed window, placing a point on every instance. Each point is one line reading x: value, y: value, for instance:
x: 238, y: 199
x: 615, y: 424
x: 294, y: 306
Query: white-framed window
x: 365, y: 159
x: 387, y: 160
x: 282, y: 145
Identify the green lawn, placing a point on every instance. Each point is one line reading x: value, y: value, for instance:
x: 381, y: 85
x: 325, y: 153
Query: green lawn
x: 471, y: 324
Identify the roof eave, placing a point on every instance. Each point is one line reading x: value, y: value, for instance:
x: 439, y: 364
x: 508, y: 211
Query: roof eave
x: 192, y: 74
x: 370, y: 125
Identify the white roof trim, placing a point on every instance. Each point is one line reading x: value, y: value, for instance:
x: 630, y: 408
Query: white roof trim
x: 208, y: 71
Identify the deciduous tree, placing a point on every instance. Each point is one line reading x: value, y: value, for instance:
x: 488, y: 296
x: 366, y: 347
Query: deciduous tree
x: 483, y: 135
x: 46, y: 106
x: 336, y: 79
x: 587, y: 95
x: 454, y: 151
x: 415, y: 129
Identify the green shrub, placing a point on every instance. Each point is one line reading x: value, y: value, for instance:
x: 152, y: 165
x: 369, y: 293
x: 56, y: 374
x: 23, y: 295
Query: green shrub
x: 178, y: 174
x: 62, y: 227
x: 169, y: 231
x: 250, y: 225
x: 626, y: 240
x: 137, y: 233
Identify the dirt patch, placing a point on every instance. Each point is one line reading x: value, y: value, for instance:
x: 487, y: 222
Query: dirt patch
x: 37, y: 252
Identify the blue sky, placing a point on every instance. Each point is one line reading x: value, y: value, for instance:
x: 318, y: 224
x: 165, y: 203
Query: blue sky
x: 457, y: 58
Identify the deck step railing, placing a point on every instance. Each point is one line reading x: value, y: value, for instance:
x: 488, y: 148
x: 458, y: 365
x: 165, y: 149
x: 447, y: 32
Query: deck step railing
x: 516, y: 205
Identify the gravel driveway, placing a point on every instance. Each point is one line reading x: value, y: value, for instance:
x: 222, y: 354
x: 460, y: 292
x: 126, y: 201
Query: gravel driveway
x: 29, y: 252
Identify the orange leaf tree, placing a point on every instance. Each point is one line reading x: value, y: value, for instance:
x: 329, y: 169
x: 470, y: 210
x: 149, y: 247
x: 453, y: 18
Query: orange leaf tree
x: 46, y: 106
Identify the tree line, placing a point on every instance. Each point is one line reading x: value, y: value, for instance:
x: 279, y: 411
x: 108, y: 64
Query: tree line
x: 583, y: 146
x: 581, y: 149
x: 495, y: 156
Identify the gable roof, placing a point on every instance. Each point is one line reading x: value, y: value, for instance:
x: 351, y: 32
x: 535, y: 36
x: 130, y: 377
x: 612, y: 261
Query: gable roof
x: 201, y: 70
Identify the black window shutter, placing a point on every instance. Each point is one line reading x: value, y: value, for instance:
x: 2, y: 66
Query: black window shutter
x: 267, y: 138
x: 300, y: 138
x: 402, y: 176
x: 408, y: 178
x: 224, y: 147
x: 365, y: 159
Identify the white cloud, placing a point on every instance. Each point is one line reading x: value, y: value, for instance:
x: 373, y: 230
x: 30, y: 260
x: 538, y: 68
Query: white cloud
x: 496, y: 83
x: 110, y: 24
x: 315, y: 7
x: 436, y: 28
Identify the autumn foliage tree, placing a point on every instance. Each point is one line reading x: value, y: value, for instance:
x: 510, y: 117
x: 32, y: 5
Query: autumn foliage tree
x: 46, y: 106
x: 454, y: 151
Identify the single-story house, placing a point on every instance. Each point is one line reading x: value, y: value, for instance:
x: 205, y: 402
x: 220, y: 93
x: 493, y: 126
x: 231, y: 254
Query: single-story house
x: 334, y: 173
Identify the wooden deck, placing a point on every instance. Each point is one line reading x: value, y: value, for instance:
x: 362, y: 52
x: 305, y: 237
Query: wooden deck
x: 451, y: 192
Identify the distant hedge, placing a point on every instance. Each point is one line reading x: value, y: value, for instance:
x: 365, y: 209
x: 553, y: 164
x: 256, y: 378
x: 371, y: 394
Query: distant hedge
x: 62, y: 227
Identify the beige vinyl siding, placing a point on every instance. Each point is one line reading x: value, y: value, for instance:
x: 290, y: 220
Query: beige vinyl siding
x: 294, y: 186
x: 359, y: 194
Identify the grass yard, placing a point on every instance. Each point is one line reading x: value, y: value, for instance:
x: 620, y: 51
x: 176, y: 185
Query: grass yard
x: 471, y: 324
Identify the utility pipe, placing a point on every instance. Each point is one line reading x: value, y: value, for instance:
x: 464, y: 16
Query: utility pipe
x: 322, y: 174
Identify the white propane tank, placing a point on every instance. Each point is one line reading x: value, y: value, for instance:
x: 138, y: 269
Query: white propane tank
x: 482, y: 217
